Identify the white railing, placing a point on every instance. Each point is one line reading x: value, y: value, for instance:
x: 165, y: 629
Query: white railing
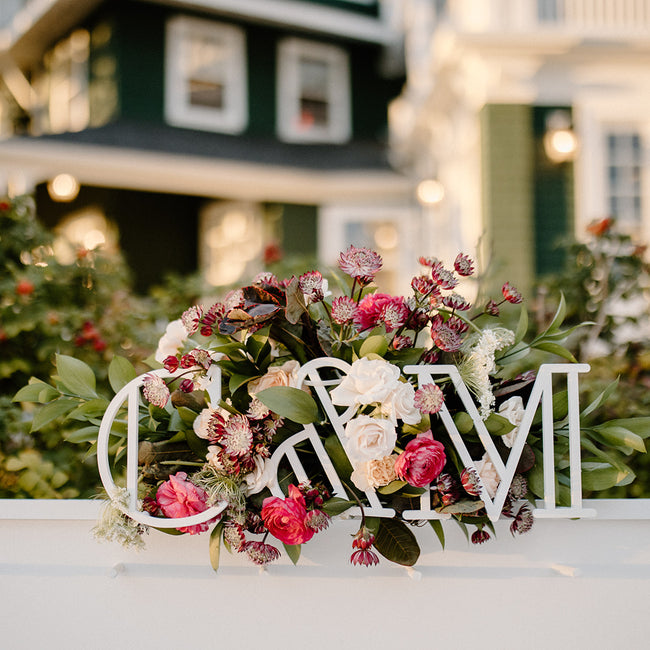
x: 582, y: 18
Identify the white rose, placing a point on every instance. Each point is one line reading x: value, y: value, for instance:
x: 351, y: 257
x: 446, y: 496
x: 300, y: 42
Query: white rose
x: 369, y: 438
x: 284, y: 375
x: 399, y: 404
x: 488, y: 474
x: 513, y: 411
x: 173, y: 338
x: 374, y: 473
x: 257, y: 479
x: 369, y: 380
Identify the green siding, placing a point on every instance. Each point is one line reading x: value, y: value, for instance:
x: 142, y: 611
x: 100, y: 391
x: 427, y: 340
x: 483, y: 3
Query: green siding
x: 554, y: 190
x: 299, y: 229
x: 261, y: 49
x: 507, y: 151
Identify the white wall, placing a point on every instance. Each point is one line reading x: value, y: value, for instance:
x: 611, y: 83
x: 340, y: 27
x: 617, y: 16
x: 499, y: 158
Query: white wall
x: 567, y: 584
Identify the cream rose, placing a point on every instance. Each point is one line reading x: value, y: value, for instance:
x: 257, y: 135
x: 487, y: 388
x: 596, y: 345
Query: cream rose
x: 369, y: 438
x: 374, y: 473
x: 170, y: 342
x: 488, y: 474
x: 399, y: 404
x: 284, y: 375
x: 513, y: 410
x: 256, y: 480
x: 369, y: 380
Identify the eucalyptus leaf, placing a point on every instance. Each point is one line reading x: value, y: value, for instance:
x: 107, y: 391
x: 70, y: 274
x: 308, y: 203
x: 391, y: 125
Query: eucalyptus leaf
x: 215, y: 545
x: 374, y: 345
x: 293, y: 551
x: 336, y: 505
x: 601, y: 476
x: 554, y: 348
x: 32, y: 392
x: 392, y: 487
x: 439, y: 530
x: 76, y: 375
x: 52, y: 411
x: 395, y: 541
x: 462, y: 507
x: 120, y: 373
x: 291, y: 403
x: 618, y: 436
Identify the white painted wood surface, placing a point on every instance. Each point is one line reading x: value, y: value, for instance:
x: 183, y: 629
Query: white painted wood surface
x: 566, y: 584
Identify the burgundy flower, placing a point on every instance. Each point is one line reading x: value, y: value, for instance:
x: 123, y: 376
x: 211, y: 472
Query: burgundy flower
x: 492, y: 308
x: 311, y: 284
x: 444, y: 278
x: 422, y: 284
x: 511, y: 294
x: 394, y: 313
x: 447, y: 339
x: 171, y: 363
x: 186, y: 386
x: 430, y: 357
x: 464, y: 265
x: 428, y: 261
x: 455, y: 301
x: 403, y: 342
x: 523, y: 521
x: 518, y: 487
x: 360, y: 263
x: 191, y: 319
x: 317, y: 520
x: 259, y: 552
x: 480, y: 536
x: 470, y: 482
x: 364, y: 555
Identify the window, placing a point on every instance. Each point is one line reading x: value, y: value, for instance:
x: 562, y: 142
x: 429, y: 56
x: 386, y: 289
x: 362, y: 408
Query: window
x: 624, y: 168
x: 205, y: 85
x: 313, y: 92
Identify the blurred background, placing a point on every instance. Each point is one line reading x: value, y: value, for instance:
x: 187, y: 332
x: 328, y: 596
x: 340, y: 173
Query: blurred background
x: 152, y: 152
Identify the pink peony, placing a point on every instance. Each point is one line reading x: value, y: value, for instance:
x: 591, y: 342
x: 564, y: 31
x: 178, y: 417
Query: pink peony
x: 286, y: 519
x: 421, y: 461
x: 177, y: 497
x: 378, y: 308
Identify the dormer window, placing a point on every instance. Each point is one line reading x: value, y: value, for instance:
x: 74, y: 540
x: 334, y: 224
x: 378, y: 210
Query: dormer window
x: 205, y: 85
x: 313, y: 98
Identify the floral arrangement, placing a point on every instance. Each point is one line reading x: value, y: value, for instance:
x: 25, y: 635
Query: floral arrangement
x: 382, y: 433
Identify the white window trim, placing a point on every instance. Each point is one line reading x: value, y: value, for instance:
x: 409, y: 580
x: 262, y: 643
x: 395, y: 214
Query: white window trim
x: 233, y: 118
x: 290, y: 51
x: 594, y: 122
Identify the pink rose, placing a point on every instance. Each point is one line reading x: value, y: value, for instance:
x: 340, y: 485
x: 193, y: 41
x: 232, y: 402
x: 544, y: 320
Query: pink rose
x: 421, y: 461
x: 177, y: 497
x: 286, y: 518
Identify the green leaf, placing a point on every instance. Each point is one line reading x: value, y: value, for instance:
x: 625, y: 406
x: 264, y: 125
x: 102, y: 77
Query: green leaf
x: 52, y: 411
x: 295, y: 302
x: 392, y: 487
x: 374, y: 345
x: 640, y: 425
x: 558, y: 318
x: 94, y: 408
x: 336, y: 505
x: 618, y: 436
x: 463, y: 507
x: 522, y: 326
x: 554, y: 348
x: 560, y: 405
x: 77, y: 376
x: 464, y: 422
x: 601, y: 476
x: 338, y: 457
x: 291, y: 403
x: 120, y: 373
x: 497, y: 425
x: 237, y: 381
x: 603, y: 397
x: 439, y: 530
x: 215, y: 545
x: 293, y: 551
x: 85, y: 434
x: 395, y: 541
x: 32, y: 392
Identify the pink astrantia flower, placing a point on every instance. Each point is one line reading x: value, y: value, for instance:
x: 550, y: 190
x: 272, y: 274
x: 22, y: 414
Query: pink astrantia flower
x: 191, y: 319
x: 470, y: 482
x: 444, y: 278
x: 364, y: 555
x: 343, y: 310
x: 286, y: 518
x: 429, y: 399
x: 421, y: 461
x: 480, y: 536
x: 155, y: 390
x: 523, y: 521
x: 177, y: 498
x: 360, y: 263
x: 455, y: 301
x: 463, y: 265
x: 446, y: 338
x: 403, y: 342
x: 394, y: 314
x: 311, y: 284
x: 511, y: 294
x: 428, y: 261
x: 422, y: 284
x: 237, y: 436
x: 259, y: 552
